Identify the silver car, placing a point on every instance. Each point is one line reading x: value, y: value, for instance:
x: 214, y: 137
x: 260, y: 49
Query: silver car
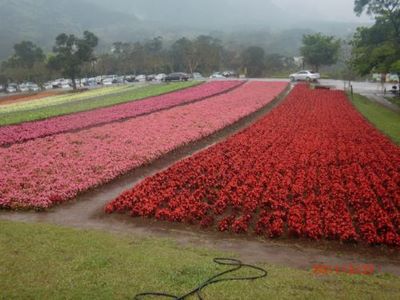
x: 305, y: 75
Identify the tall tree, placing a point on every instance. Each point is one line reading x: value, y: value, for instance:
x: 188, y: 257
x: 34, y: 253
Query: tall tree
x: 72, y: 52
x: 208, y: 51
x: 377, y: 48
x: 184, y: 56
x: 26, y: 55
x: 319, y: 50
x: 387, y: 11
x: 27, y: 63
x: 253, y: 59
x: 275, y: 63
x: 154, y: 54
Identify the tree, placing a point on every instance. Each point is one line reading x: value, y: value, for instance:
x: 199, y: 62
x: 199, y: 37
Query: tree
x: 320, y: 50
x: 386, y: 11
x: 253, y: 60
x: 3, y: 80
x: 27, y: 63
x: 208, y: 51
x: 72, y: 52
x: 26, y: 55
x: 377, y: 48
x: 202, y: 54
x: 184, y: 57
x: 154, y: 54
x: 275, y: 63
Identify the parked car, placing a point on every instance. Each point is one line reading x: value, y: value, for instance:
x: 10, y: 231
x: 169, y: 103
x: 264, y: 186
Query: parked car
x: 230, y: 74
x: 130, y: 78
x: 33, y: 87
x: 217, y: 75
x: 59, y: 82
x: 140, y: 78
x: 178, y: 76
x: 197, y: 76
x: 108, y: 81
x: 23, y: 87
x: 150, y: 77
x: 12, y: 88
x: 305, y: 75
x: 65, y: 85
x: 48, y: 86
x: 160, y: 77
x: 91, y: 81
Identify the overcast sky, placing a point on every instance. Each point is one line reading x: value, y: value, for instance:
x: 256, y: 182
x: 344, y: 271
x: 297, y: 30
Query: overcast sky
x: 332, y: 10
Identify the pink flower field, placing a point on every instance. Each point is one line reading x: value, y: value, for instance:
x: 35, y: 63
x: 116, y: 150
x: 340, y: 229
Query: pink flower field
x: 31, y: 130
x: 46, y: 171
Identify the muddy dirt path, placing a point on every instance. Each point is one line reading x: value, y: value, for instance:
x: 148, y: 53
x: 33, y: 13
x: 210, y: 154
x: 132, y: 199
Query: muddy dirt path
x: 86, y: 212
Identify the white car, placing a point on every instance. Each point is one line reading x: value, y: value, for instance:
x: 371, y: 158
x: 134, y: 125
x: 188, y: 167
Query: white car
x: 140, y: 78
x: 65, y: 85
x: 217, y: 75
x: 48, y: 86
x: 108, y: 81
x: 24, y: 88
x: 197, y: 76
x: 160, y: 77
x: 34, y: 87
x: 11, y: 89
x: 305, y: 75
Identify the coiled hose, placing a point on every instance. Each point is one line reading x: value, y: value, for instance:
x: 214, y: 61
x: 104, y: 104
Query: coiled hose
x: 237, y: 265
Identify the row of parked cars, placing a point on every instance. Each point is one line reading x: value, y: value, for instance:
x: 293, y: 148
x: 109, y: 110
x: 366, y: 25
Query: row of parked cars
x: 24, y: 87
x: 104, y: 80
x: 108, y: 80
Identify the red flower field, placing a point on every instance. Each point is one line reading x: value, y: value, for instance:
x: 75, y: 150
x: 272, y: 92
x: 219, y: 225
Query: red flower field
x: 313, y: 167
x: 46, y: 171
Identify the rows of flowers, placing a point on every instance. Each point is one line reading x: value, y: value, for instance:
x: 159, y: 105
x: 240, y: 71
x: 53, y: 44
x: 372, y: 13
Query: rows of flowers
x: 43, y: 172
x: 11, y: 100
x: 52, y: 99
x: 31, y: 130
x: 312, y: 168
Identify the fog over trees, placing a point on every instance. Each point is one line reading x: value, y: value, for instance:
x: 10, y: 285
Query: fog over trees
x: 276, y: 26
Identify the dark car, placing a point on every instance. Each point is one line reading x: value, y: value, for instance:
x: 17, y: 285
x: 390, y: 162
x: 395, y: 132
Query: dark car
x: 177, y: 77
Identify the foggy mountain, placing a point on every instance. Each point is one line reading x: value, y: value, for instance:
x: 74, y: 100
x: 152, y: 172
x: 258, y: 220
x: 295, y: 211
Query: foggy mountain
x: 206, y: 14
x: 259, y: 21
x: 42, y: 20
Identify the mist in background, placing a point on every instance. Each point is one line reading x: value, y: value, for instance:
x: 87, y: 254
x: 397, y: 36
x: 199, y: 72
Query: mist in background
x: 276, y: 25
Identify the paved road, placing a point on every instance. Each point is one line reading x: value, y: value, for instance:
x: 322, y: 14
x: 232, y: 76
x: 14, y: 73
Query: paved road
x: 372, y: 90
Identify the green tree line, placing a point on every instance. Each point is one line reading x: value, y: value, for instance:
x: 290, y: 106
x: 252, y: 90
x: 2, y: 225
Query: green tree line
x: 73, y: 57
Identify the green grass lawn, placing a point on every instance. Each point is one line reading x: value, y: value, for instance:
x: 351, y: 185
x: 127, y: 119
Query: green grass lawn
x: 49, y: 262
x: 131, y: 94
x: 384, y: 119
x: 394, y: 100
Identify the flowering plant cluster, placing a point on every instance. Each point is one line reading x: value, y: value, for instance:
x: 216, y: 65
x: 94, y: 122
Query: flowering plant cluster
x: 43, y: 172
x: 31, y: 130
x: 353, y: 269
x: 47, y: 98
x: 312, y: 168
x: 20, y: 99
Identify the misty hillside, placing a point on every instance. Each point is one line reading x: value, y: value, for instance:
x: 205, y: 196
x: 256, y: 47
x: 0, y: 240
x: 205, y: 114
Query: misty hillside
x: 234, y: 21
x: 206, y: 14
x: 42, y: 20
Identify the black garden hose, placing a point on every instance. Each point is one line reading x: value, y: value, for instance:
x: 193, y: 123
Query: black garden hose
x: 235, y: 263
